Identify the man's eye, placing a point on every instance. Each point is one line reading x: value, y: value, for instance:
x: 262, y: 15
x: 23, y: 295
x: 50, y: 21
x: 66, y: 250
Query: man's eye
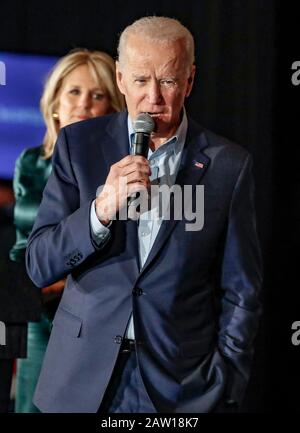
x: 168, y: 83
x: 140, y: 81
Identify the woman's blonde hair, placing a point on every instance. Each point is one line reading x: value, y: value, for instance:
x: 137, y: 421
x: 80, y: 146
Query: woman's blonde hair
x: 102, y: 68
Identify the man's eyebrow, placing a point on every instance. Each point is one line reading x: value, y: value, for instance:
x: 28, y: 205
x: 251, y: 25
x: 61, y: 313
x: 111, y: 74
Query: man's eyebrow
x: 163, y: 77
x: 140, y: 76
x: 169, y: 77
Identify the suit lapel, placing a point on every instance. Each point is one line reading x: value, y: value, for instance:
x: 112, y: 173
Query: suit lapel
x: 107, y: 148
x: 193, y: 166
x: 116, y: 148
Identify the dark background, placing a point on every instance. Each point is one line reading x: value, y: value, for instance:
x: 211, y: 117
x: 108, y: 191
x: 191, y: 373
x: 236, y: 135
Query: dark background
x: 243, y: 90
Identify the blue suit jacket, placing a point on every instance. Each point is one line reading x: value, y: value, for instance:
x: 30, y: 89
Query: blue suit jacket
x: 196, y: 313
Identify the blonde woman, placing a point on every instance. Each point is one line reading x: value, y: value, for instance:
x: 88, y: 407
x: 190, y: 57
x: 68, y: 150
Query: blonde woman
x: 81, y: 86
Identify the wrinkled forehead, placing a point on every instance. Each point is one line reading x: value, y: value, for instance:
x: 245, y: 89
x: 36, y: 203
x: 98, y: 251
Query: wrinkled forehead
x: 142, y: 54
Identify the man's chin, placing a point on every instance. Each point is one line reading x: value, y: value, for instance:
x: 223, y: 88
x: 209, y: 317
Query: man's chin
x: 162, y: 123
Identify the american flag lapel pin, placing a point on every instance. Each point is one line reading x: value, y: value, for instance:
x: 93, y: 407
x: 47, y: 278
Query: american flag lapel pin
x: 198, y: 164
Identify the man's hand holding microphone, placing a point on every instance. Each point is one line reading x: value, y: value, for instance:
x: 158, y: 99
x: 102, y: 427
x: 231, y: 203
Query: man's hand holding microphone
x: 129, y: 175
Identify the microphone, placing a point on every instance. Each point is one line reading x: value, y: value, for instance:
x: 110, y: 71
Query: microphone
x: 143, y: 126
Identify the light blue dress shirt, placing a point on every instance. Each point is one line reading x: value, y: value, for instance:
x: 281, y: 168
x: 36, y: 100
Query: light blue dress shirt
x: 164, y: 163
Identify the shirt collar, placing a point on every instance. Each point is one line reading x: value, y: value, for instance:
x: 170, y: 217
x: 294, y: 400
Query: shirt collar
x: 174, y: 143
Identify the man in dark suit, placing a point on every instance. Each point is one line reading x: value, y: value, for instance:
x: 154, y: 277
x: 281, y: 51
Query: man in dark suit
x: 156, y: 316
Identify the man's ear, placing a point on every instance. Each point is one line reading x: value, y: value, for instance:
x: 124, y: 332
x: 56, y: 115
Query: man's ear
x: 190, y: 81
x: 119, y: 78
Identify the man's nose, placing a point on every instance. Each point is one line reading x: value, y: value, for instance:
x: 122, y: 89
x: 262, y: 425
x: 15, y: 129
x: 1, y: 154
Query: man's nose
x: 154, y: 93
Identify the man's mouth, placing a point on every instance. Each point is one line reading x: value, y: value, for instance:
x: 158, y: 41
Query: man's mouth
x: 155, y: 114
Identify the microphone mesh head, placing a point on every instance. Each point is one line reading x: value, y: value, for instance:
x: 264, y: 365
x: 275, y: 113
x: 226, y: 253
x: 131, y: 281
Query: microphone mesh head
x: 144, y: 123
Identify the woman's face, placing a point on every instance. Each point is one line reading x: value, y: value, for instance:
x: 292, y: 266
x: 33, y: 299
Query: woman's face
x: 81, y: 97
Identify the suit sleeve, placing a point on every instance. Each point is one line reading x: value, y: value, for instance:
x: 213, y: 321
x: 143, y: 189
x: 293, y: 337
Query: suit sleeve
x: 241, y: 281
x: 61, y: 236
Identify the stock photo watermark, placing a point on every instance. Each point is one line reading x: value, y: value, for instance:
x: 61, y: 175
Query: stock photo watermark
x: 2, y: 334
x: 2, y: 74
x: 295, y: 338
x: 295, y: 78
x: 154, y: 203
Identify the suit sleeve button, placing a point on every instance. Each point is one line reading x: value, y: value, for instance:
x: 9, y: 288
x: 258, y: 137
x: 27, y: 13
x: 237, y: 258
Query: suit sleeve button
x: 118, y: 339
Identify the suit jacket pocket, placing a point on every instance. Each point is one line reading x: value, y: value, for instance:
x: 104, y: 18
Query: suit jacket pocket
x: 67, y: 322
x: 196, y: 348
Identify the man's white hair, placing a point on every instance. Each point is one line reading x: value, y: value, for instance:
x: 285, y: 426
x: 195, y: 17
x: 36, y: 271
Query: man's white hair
x: 159, y: 30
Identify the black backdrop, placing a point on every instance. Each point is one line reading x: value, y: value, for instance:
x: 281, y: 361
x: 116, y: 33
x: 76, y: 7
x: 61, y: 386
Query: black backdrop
x: 244, y: 51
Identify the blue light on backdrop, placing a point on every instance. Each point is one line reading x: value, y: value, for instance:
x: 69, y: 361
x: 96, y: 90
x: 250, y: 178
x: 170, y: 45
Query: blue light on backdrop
x: 21, y: 123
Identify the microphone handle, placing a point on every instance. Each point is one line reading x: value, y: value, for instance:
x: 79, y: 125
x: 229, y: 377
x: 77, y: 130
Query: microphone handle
x: 140, y: 147
x: 141, y: 144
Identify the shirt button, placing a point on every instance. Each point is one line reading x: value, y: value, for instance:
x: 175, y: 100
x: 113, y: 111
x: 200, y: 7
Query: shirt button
x: 118, y: 339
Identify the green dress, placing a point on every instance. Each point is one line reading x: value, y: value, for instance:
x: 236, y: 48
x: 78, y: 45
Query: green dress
x: 31, y: 175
